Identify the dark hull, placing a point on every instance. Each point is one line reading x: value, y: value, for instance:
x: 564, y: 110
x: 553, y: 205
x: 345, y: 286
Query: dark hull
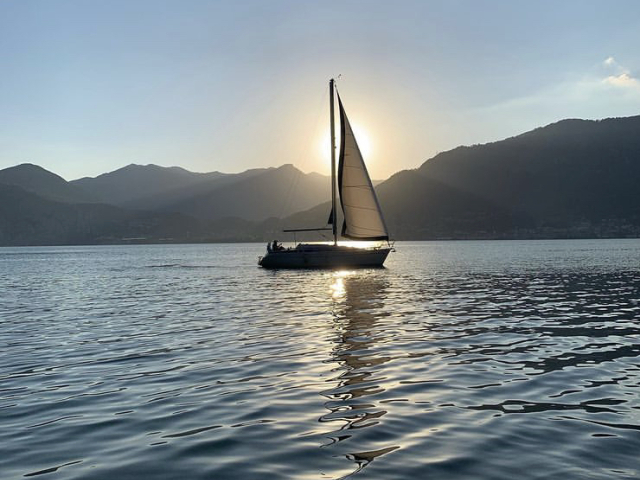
x: 325, y: 256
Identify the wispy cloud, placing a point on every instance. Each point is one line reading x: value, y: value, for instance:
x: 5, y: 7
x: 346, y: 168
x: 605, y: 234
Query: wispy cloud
x: 620, y: 76
x: 624, y: 80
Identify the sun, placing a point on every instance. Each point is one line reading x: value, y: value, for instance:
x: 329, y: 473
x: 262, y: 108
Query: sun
x: 362, y: 138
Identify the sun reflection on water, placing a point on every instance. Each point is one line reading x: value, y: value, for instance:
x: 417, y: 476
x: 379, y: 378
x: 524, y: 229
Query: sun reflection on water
x: 354, y: 403
x: 337, y: 288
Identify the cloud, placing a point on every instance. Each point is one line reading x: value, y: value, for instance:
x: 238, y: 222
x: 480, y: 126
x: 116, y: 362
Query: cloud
x: 622, y: 78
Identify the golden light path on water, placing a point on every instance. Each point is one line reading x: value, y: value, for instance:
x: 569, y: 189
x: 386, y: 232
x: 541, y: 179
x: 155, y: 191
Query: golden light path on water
x: 344, y: 362
x: 337, y: 287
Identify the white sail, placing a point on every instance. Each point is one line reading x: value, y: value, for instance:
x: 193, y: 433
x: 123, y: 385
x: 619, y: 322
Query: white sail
x: 362, y: 215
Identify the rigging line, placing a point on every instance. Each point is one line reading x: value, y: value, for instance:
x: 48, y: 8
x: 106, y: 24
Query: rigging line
x: 304, y: 155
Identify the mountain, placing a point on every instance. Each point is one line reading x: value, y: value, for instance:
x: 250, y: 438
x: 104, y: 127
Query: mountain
x: 275, y: 192
x: 416, y: 207
x: 29, y: 219
x: 134, y: 182
x: 39, y: 181
x: 252, y: 195
x: 570, y: 173
x: 574, y: 178
x: 165, y: 199
x: 571, y: 179
x: 38, y: 207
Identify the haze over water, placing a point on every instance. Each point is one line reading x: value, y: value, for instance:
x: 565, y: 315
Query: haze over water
x: 478, y: 360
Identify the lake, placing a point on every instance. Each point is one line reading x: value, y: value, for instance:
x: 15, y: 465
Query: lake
x: 460, y: 360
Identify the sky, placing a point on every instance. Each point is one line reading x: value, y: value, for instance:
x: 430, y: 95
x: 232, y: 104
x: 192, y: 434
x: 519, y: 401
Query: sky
x: 87, y: 87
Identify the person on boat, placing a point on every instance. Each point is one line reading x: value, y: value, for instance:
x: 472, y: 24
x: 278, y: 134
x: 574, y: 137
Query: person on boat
x: 276, y: 247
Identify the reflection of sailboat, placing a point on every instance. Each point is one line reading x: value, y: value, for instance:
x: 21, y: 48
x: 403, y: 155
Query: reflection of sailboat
x: 352, y: 400
x: 362, y: 214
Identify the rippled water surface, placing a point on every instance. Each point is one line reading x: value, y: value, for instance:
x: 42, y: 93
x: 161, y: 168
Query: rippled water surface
x: 460, y: 360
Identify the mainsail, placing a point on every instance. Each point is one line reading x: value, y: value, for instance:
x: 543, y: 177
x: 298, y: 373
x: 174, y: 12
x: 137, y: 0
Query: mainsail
x: 362, y: 215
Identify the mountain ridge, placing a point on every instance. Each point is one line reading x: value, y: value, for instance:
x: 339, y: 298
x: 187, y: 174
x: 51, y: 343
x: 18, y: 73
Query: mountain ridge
x: 552, y: 172
x: 36, y: 179
x: 135, y: 181
x: 569, y: 179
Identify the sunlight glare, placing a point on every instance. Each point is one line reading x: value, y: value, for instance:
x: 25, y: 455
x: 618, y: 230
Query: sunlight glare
x: 337, y: 287
x: 358, y: 243
x: 362, y: 137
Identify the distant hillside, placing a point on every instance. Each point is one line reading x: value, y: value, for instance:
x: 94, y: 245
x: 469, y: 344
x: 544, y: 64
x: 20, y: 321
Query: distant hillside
x: 40, y: 208
x: 135, y: 182
x: 251, y: 195
x: 28, y: 219
x: 574, y: 178
x: 571, y: 179
x: 275, y: 192
x: 35, y: 179
x: 175, y: 194
x: 416, y: 207
x: 565, y: 173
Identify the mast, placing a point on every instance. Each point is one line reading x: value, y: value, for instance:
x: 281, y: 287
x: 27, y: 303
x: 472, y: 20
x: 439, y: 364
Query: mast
x: 333, y: 164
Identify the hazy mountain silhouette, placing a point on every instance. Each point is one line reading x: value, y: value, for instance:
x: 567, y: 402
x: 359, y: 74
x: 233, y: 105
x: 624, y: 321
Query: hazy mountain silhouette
x: 35, y: 179
x: 574, y: 178
x: 416, y: 207
x: 28, y: 219
x: 275, y: 192
x: 134, y: 182
x: 253, y: 195
x: 175, y: 194
x: 38, y: 207
x: 559, y: 175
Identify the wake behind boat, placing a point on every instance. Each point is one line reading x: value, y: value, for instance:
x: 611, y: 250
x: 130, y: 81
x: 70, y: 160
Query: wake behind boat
x: 362, y: 216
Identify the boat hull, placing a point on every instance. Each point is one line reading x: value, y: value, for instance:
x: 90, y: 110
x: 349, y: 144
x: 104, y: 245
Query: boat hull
x: 325, y: 256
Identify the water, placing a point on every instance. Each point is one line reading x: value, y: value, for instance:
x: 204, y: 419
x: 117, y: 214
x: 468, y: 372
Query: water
x: 460, y: 360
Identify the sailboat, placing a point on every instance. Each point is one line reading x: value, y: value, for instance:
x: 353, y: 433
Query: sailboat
x: 362, y: 215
